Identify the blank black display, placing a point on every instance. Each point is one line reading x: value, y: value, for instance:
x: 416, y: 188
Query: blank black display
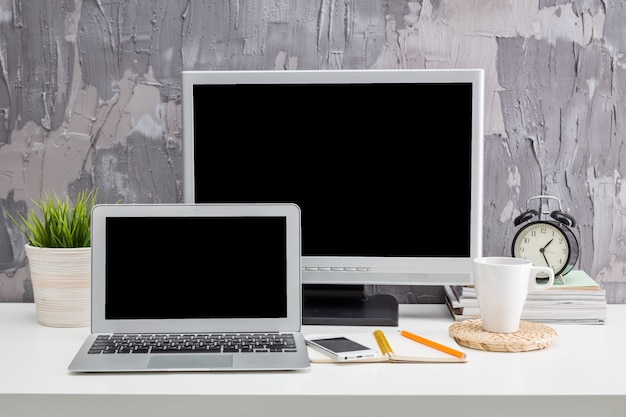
x: 213, y: 267
x: 377, y: 169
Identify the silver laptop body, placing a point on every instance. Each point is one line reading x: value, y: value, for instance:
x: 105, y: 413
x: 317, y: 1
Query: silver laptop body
x: 162, y: 272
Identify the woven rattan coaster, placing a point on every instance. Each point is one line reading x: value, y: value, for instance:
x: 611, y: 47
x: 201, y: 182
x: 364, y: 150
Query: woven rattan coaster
x: 530, y: 336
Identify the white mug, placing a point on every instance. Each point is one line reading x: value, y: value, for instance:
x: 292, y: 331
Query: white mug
x: 502, y: 285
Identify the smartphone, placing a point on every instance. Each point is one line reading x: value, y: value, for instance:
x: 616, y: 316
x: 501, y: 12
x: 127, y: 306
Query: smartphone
x: 341, y: 348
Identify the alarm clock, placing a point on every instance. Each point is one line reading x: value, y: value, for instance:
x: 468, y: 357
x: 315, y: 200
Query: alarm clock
x: 546, y: 242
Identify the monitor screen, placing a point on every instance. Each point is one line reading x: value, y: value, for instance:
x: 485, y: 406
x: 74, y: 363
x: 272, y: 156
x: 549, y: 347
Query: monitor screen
x: 386, y: 165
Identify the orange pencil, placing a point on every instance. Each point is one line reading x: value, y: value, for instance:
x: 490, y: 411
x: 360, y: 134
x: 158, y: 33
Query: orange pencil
x: 432, y: 344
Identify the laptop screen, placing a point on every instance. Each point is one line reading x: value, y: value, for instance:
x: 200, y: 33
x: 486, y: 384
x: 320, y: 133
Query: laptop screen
x: 195, y: 267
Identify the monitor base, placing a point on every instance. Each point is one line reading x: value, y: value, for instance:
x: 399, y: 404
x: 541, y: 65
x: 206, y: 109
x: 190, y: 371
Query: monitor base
x: 347, y: 305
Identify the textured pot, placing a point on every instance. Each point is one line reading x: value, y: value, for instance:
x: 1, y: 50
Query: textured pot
x: 61, y: 279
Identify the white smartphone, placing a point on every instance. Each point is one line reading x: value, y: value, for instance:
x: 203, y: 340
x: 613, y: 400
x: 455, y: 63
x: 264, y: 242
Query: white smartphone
x: 341, y: 348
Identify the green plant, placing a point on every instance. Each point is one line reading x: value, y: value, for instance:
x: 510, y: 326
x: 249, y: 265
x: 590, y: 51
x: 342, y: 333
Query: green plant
x: 60, y: 226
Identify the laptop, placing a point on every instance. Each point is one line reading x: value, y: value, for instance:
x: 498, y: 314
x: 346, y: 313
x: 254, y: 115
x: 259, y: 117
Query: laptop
x: 195, y: 287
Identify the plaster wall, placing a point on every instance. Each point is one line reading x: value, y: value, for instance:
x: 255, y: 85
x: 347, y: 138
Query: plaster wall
x: 90, y: 96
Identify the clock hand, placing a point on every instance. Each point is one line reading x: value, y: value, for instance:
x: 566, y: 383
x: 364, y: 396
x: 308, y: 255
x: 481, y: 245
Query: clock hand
x: 543, y: 252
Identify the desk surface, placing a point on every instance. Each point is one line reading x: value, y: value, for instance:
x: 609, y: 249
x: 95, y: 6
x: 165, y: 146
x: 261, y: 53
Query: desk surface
x: 582, y: 373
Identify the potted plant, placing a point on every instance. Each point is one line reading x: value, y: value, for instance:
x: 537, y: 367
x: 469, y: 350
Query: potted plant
x: 59, y: 258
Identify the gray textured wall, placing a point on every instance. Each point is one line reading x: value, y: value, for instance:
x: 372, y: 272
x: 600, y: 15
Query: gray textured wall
x: 90, y: 95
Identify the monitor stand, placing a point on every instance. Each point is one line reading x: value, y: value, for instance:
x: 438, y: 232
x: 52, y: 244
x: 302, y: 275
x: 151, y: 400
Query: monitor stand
x: 347, y: 305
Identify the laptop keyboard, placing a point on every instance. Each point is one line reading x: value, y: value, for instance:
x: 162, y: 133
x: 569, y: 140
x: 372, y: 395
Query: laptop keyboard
x: 193, y: 343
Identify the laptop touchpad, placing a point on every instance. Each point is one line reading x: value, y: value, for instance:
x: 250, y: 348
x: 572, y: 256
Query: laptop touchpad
x: 190, y: 361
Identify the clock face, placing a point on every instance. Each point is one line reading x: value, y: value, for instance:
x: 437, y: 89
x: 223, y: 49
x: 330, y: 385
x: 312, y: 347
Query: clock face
x: 544, y: 244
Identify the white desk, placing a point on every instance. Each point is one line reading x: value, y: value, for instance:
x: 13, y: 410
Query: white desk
x: 582, y: 373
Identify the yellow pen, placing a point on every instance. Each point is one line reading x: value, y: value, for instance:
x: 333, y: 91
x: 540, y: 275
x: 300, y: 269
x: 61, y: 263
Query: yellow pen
x: 383, y: 344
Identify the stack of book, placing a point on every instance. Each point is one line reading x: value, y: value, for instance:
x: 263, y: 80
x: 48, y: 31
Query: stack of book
x: 576, y: 299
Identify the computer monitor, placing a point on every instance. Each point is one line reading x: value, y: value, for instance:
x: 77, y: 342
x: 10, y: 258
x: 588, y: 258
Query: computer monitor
x: 386, y: 166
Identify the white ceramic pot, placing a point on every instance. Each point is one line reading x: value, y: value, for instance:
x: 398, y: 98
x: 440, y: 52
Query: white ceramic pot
x: 61, y: 279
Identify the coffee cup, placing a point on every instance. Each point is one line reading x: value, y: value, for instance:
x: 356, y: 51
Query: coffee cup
x: 502, y: 285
